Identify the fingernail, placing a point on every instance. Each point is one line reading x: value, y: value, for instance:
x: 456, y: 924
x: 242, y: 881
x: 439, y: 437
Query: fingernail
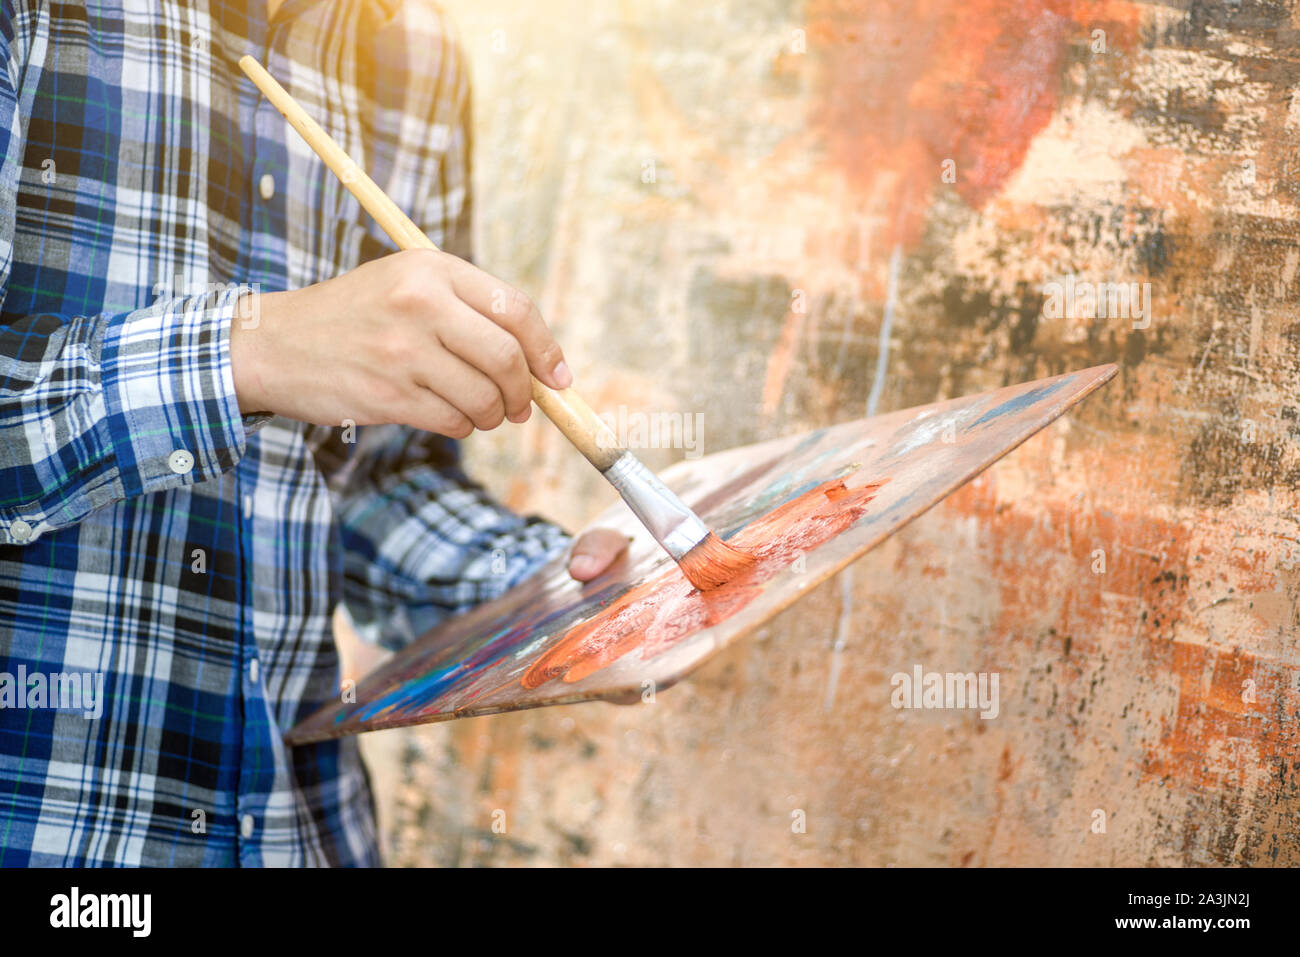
x: 582, y: 565
x: 563, y: 377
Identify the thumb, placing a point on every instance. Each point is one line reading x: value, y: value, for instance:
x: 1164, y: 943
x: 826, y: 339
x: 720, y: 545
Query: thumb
x: 594, y: 551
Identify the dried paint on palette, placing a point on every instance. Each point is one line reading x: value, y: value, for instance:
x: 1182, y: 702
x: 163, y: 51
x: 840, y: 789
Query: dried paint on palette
x: 665, y: 609
x: 804, y: 507
x: 650, y: 616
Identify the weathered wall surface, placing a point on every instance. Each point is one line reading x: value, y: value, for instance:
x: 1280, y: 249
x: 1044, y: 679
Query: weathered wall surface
x: 706, y: 199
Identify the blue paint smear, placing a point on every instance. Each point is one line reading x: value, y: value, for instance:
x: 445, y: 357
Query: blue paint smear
x: 1022, y: 401
x: 413, y: 693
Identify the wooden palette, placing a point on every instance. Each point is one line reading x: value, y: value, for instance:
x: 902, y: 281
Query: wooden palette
x: 808, y: 505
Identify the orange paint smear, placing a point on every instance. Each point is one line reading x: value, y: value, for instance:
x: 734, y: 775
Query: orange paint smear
x: 664, y: 609
x: 905, y: 88
x: 1214, y: 739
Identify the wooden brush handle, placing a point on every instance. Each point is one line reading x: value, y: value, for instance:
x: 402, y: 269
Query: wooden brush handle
x: 568, y: 410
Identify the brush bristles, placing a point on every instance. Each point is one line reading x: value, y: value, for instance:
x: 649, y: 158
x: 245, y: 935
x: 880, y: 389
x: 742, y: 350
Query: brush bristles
x: 712, y: 563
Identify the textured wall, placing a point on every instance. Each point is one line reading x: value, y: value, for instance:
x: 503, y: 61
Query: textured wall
x: 1131, y: 573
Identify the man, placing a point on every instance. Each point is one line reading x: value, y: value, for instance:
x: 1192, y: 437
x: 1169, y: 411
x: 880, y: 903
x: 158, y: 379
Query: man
x: 196, y: 319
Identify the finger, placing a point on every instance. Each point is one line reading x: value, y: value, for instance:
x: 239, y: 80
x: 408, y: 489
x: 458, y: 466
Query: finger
x: 433, y: 413
x: 595, y: 551
x: 515, y: 313
x: 464, y: 388
x: 493, y: 351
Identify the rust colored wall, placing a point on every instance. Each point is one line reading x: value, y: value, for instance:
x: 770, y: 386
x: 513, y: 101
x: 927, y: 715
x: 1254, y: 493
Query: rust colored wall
x: 1131, y: 573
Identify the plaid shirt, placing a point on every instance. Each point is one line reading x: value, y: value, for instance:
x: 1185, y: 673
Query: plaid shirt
x: 152, y: 538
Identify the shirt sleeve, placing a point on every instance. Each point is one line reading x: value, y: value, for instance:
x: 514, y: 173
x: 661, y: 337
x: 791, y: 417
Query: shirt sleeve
x: 422, y: 541
x: 95, y: 409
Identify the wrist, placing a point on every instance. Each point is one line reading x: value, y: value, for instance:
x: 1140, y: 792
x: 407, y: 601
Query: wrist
x: 247, y: 351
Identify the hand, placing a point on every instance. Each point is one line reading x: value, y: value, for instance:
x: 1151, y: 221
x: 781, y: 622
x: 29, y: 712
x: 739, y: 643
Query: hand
x: 595, y: 551
x: 418, y: 338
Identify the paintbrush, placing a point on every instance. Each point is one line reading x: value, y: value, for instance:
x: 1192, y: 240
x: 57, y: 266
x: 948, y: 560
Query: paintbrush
x: 705, y: 559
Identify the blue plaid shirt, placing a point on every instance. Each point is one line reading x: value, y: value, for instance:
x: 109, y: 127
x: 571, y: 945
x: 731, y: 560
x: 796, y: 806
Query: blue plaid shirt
x: 152, y: 539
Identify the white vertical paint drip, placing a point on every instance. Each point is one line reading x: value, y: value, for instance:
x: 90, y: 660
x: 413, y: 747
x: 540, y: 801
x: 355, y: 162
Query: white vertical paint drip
x: 878, y: 386
x: 886, y: 329
x: 841, y: 634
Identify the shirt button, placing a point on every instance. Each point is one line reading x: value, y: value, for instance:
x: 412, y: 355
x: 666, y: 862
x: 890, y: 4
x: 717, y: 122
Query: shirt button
x: 20, y: 532
x: 266, y: 186
x: 253, y: 671
x: 180, y: 462
x: 246, y: 825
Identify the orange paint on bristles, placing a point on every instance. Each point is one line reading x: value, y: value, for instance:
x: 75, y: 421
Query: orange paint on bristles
x: 712, y: 563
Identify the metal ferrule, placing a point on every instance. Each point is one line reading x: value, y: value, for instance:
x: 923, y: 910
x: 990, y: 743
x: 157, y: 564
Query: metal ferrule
x: 675, y: 526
